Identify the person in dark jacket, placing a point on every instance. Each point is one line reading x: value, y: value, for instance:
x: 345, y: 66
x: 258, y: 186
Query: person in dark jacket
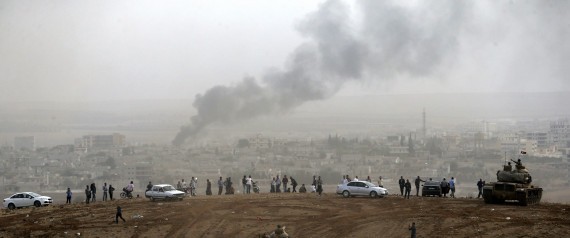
x: 119, y: 215
x: 402, y: 183
x: 111, y: 189
x: 68, y: 193
x: 417, y: 183
x: 208, y: 187
x: 408, y: 187
x: 285, y: 181
x: 480, y: 185
x: 93, y: 191
x: 87, y: 194
x: 294, y: 184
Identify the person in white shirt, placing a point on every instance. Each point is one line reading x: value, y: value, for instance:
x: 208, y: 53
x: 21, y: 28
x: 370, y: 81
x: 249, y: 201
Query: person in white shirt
x: 355, y: 179
x: 248, y: 184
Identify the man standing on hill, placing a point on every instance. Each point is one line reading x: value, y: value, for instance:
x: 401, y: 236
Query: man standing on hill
x: 412, y: 229
x: 452, y: 187
x: 93, y: 190
x: 220, y: 186
x: 285, y: 181
x: 244, y: 184
x: 111, y: 189
x: 402, y: 183
x: 480, y: 185
x: 105, y: 192
x: 278, y: 184
x: 87, y: 194
x: 408, y: 187
x: 417, y: 183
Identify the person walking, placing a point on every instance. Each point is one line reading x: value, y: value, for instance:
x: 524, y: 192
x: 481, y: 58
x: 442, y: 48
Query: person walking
x: 87, y: 194
x: 402, y: 183
x: 417, y: 183
x: 93, y: 191
x: 111, y: 189
x: 119, y: 215
x: 444, y: 187
x: 480, y: 185
x: 208, y: 187
x: 68, y: 193
x: 105, y: 191
x: 220, y: 186
x: 412, y: 230
x: 319, y: 186
x: 294, y: 184
x: 452, y: 187
x: 408, y: 187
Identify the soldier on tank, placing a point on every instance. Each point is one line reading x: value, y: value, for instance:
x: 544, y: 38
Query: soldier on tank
x: 508, y: 167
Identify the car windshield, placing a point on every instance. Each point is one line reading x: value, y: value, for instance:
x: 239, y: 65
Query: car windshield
x: 168, y: 188
x: 431, y: 183
x: 35, y: 194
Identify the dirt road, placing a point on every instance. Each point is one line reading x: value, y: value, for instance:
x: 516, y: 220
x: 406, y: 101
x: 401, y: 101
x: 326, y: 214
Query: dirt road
x: 304, y: 215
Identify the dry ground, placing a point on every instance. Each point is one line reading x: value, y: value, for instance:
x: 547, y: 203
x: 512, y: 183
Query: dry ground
x: 304, y: 215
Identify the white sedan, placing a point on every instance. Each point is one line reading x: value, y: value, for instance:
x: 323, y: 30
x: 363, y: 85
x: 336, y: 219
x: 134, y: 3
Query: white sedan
x: 164, y: 191
x: 26, y: 199
x: 361, y: 188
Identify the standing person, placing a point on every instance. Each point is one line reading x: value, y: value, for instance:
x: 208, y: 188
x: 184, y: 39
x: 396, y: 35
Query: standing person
x: 342, y: 180
x: 402, y: 183
x: 452, y: 187
x: 412, y: 229
x: 294, y: 184
x: 345, y: 180
x: 93, y: 191
x: 444, y: 187
x: 408, y: 187
x: 319, y: 186
x: 273, y: 185
x: 68, y: 193
x: 380, y: 183
x: 277, y: 184
x: 248, y: 184
x: 368, y: 179
x: 130, y: 189
x: 220, y: 186
x: 314, y: 184
x: 417, y: 183
x: 193, y: 185
x: 105, y: 191
x: 244, y: 184
x: 208, y: 187
x: 355, y: 179
x: 119, y: 215
x: 285, y: 182
x: 87, y: 194
x: 111, y: 189
x: 480, y: 185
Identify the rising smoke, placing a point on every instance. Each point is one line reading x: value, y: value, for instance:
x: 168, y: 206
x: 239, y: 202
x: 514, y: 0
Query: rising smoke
x: 387, y: 40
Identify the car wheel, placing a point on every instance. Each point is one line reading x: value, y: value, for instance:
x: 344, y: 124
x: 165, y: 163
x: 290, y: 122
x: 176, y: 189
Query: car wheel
x: 345, y: 194
x: 373, y: 194
x: 11, y: 206
x: 37, y: 204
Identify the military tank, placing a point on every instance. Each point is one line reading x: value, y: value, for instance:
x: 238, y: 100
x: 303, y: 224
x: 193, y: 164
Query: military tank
x: 512, y: 186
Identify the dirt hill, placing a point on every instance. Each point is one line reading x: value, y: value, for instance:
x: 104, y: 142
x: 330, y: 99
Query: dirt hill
x: 304, y: 215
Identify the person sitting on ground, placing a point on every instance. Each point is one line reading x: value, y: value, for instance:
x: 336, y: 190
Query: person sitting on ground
x: 302, y: 189
x: 279, y: 232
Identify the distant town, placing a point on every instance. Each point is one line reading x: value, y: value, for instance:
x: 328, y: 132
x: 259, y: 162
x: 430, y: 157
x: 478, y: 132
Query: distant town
x: 467, y: 152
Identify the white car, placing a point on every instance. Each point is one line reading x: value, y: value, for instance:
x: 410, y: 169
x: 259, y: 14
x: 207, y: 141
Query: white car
x: 26, y: 199
x: 164, y: 191
x: 361, y: 188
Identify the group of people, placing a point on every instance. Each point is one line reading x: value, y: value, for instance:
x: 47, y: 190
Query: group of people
x: 406, y: 186
x: 189, y: 189
x: 91, y: 193
x: 276, y: 184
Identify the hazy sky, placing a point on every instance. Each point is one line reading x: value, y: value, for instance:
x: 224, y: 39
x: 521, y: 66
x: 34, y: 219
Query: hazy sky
x: 107, y: 50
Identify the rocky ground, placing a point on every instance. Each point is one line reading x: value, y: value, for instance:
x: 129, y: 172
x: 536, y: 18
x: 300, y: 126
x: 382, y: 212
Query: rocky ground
x: 304, y: 215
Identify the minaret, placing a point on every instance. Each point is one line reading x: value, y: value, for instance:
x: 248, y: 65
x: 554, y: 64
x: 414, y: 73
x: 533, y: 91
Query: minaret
x: 424, y: 123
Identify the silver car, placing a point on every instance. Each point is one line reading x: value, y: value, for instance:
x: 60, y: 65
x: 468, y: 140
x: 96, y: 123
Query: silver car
x: 26, y: 199
x: 361, y: 188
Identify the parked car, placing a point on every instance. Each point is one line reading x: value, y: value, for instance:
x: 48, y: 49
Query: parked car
x: 361, y: 188
x: 431, y: 188
x: 164, y: 191
x: 26, y: 199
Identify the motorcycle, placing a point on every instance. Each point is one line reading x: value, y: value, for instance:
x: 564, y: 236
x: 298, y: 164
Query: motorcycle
x: 255, y: 187
x: 126, y: 193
